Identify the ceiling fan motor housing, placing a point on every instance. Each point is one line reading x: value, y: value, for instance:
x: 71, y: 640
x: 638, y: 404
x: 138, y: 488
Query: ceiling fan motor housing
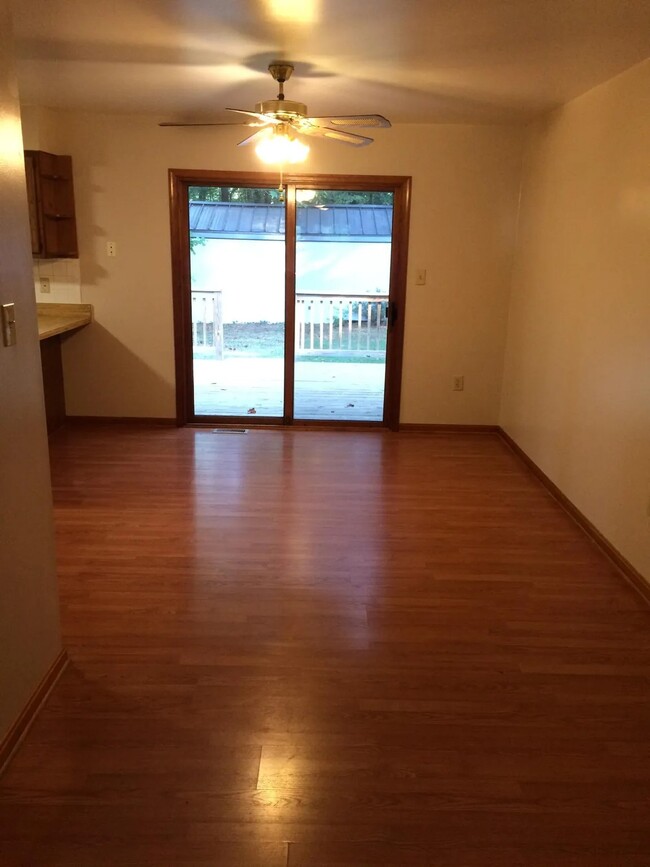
x: 282, y: 108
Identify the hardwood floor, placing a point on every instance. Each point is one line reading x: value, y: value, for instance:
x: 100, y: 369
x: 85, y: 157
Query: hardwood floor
x: 319, y: 648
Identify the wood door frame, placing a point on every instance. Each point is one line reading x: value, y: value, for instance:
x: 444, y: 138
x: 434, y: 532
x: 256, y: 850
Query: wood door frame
x: 179, y: 182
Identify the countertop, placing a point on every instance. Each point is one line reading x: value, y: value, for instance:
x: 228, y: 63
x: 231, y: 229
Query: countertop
x: 56, y: 319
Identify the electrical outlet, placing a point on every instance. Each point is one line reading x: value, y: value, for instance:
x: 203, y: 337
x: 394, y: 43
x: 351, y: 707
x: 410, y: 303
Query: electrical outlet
x: 111, y: 249
x: 459, y: 383
x: 44, y: 285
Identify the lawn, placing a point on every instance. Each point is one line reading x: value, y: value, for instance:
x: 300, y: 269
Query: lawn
x: 266, y: 340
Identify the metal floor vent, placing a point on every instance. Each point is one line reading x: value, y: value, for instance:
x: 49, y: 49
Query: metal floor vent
x: 230, y: 430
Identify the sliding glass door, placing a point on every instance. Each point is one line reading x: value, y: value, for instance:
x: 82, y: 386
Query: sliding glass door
x: 342, y: 287
x: 237, y: 259
x: 287, y: 300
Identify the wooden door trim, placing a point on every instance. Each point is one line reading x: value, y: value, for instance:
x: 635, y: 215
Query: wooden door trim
x: 289, y: 304
x: 182, y: 304
x: 398, y: 266
x: 179, y: 182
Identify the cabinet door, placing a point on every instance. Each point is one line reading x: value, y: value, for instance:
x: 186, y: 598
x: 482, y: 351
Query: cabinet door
x: 57, y: 205
x: 34, y: 225
x: 52, y: 212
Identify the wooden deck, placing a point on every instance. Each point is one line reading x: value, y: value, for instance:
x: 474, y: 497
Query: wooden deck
x: 324, y: 390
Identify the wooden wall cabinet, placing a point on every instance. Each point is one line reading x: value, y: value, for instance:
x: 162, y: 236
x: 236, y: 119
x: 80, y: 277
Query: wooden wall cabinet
x: 50, y: 193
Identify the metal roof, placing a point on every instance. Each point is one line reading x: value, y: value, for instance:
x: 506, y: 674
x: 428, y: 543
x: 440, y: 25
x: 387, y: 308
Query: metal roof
x: 354, y: 223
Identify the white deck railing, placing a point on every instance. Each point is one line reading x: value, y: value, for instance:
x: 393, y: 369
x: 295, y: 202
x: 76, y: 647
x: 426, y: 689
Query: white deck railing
x: 324, y: 323
x: 207, y: 323
x: 340, y: 323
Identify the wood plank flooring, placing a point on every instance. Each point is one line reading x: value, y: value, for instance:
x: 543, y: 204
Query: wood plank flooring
x: 324, y: 649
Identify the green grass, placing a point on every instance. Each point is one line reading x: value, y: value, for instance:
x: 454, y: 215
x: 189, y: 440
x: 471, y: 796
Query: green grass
x: 266, y: 340
x: 254, y: 339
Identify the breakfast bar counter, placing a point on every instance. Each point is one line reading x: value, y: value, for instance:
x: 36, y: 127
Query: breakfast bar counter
x: 54, y: 319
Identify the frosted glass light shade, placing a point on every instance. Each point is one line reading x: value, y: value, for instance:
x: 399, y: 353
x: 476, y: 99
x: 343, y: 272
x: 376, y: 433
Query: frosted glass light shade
x: 278, y: 148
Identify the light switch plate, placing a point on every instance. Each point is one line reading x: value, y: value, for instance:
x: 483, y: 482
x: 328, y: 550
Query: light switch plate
x: 8, y: 324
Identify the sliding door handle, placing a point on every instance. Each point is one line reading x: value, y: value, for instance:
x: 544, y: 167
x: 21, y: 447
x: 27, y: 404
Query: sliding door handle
x: 391, y: 314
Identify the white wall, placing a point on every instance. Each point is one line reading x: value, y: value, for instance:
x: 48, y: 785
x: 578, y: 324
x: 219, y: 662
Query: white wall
x: 465, y: 187
x: 250, y: 273
x: 343, y: 266
x: 29, y: 621
x: 576, y: 391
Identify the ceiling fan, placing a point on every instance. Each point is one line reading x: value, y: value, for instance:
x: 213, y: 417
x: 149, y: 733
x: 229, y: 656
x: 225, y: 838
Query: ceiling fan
x: 283, y: 117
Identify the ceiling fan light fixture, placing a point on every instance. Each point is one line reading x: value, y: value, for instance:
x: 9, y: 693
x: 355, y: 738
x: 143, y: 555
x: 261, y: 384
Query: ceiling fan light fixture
x: 279, y: 147
x: 279, y: 120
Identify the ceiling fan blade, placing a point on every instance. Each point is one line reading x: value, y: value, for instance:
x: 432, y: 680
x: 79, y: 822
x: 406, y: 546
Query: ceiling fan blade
x: 376, y: 120
x: 264, y: 118
x: 338, y: 134
x: 201, y: 123
x: 255, y: 137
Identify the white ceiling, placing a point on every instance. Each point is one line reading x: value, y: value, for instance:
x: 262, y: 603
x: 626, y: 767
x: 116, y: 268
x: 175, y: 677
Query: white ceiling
x: 415, y: 61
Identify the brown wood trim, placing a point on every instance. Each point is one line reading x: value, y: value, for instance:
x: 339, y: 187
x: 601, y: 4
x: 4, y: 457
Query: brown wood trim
x: 126, y: 419
x: 627, y: 570
x: 252, y: 420
x: 182, y: 304
x: 406, y: 427
x: 398, y: 267
x: 379, y: 183
x: 301, y: 425
x: 289, y: 303
x: 257, y: 421
x: 19, y: 729
x: 326, y: 424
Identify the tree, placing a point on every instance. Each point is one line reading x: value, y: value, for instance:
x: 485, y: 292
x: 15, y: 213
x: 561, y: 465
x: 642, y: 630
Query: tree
x: 350, y: 197
x: 240, y: 195
x: 272, y: 196
x: 196, y: 241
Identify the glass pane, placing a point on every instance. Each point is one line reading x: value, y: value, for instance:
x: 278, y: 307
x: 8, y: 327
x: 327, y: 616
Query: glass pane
x: 237, y: 270
x: 343, y: 251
